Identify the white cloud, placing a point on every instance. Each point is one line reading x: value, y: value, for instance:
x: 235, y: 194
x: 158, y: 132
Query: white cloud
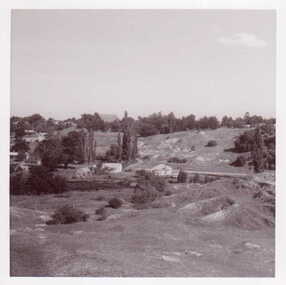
x: 243, y: 39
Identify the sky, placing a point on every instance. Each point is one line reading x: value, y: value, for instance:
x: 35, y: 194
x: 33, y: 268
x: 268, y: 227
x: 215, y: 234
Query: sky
x: 205, y: 62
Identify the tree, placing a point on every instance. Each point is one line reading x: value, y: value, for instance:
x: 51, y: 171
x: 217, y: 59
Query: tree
x: 88, y: 145
x: 213, y: 122
x: 147, y: 129
x: 182, y: 176
x: 246, y: 118
x: 91, y: 122
x: 129, y: 140
x: 20, y: 129
x: 189, y: 122
x: 72, y: 148
x: 50, y: 152
x: 171, y: 122
x: 258, y: 152
x: 20, y: 146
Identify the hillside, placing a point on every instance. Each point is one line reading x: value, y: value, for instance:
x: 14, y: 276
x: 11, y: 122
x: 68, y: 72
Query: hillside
x: 223, y: 228
x: 158, y: 149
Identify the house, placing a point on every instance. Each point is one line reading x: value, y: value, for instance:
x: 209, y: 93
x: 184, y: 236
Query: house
x: 34, y: 137
x: 162, y: 170
x: 13, y: 155
x: 112, y: 167
x: 83, y: 172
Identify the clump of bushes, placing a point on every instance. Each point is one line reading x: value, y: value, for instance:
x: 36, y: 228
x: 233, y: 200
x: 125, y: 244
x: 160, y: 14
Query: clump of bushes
x: 261, y: 143
x: 148, y: 189
x: 102, y: 213
x: 40, y: 180
x: 143, y: 195
x: 211, y: 143
x: 146, y: 177
x: 67, y: 215
x: 17, y: 183
x: 115, y: 203
x: 182, y: 177
x: 239, y: 162
x: 177, y: 160
x: 113, y: 154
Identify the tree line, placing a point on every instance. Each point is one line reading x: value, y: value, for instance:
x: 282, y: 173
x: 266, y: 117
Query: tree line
x: 156, y: 123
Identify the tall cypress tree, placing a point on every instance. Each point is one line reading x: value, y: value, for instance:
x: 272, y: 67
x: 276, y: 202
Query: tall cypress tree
x: 258, y: 151
x: 129, y: 139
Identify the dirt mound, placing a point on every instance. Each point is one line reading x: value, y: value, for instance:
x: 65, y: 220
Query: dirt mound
x: 245, y: 205
x: 207, y: 206
x: 247, y: 217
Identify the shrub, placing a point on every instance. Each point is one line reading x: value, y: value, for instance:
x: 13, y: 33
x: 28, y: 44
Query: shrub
x: 177, y: 160
x: 239, y: 162
x: 168, y: 193
x: 146, y: 157
x: 39, y: 181
x: 148, y: 188
x: 42, y: 181
x: 150, y: 178
x: 67, y: 215
x: 99, y: 198
x: 101, y: 211
x: 113, y: 154
x: 211, y: 143
x: 17, y: 184
x: 195, y: 178
x: 115, y: 203
x: 182, y: 177
x: 144, y: 195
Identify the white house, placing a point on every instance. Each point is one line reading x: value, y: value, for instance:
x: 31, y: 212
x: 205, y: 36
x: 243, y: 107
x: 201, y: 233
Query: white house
x: 35, y: 137
x: 162, y: 170
x: 112, y: 167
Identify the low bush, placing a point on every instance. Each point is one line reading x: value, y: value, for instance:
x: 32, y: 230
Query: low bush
x: 177, y: 160
x: 115, y: 203
x: 99, y: 198
x: 168, y: 193
x: 146, y: 157
x: 101, y: 211
x: 211, y: 143
x: 67, y: 215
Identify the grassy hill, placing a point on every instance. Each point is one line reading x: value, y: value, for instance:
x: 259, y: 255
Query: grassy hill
x: 191, y: 145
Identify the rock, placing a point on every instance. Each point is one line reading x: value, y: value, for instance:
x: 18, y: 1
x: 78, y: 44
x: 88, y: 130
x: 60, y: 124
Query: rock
x: 77, y: 232
x: 191, y: 252
x: 252, y: 245
x: 170, y: 258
